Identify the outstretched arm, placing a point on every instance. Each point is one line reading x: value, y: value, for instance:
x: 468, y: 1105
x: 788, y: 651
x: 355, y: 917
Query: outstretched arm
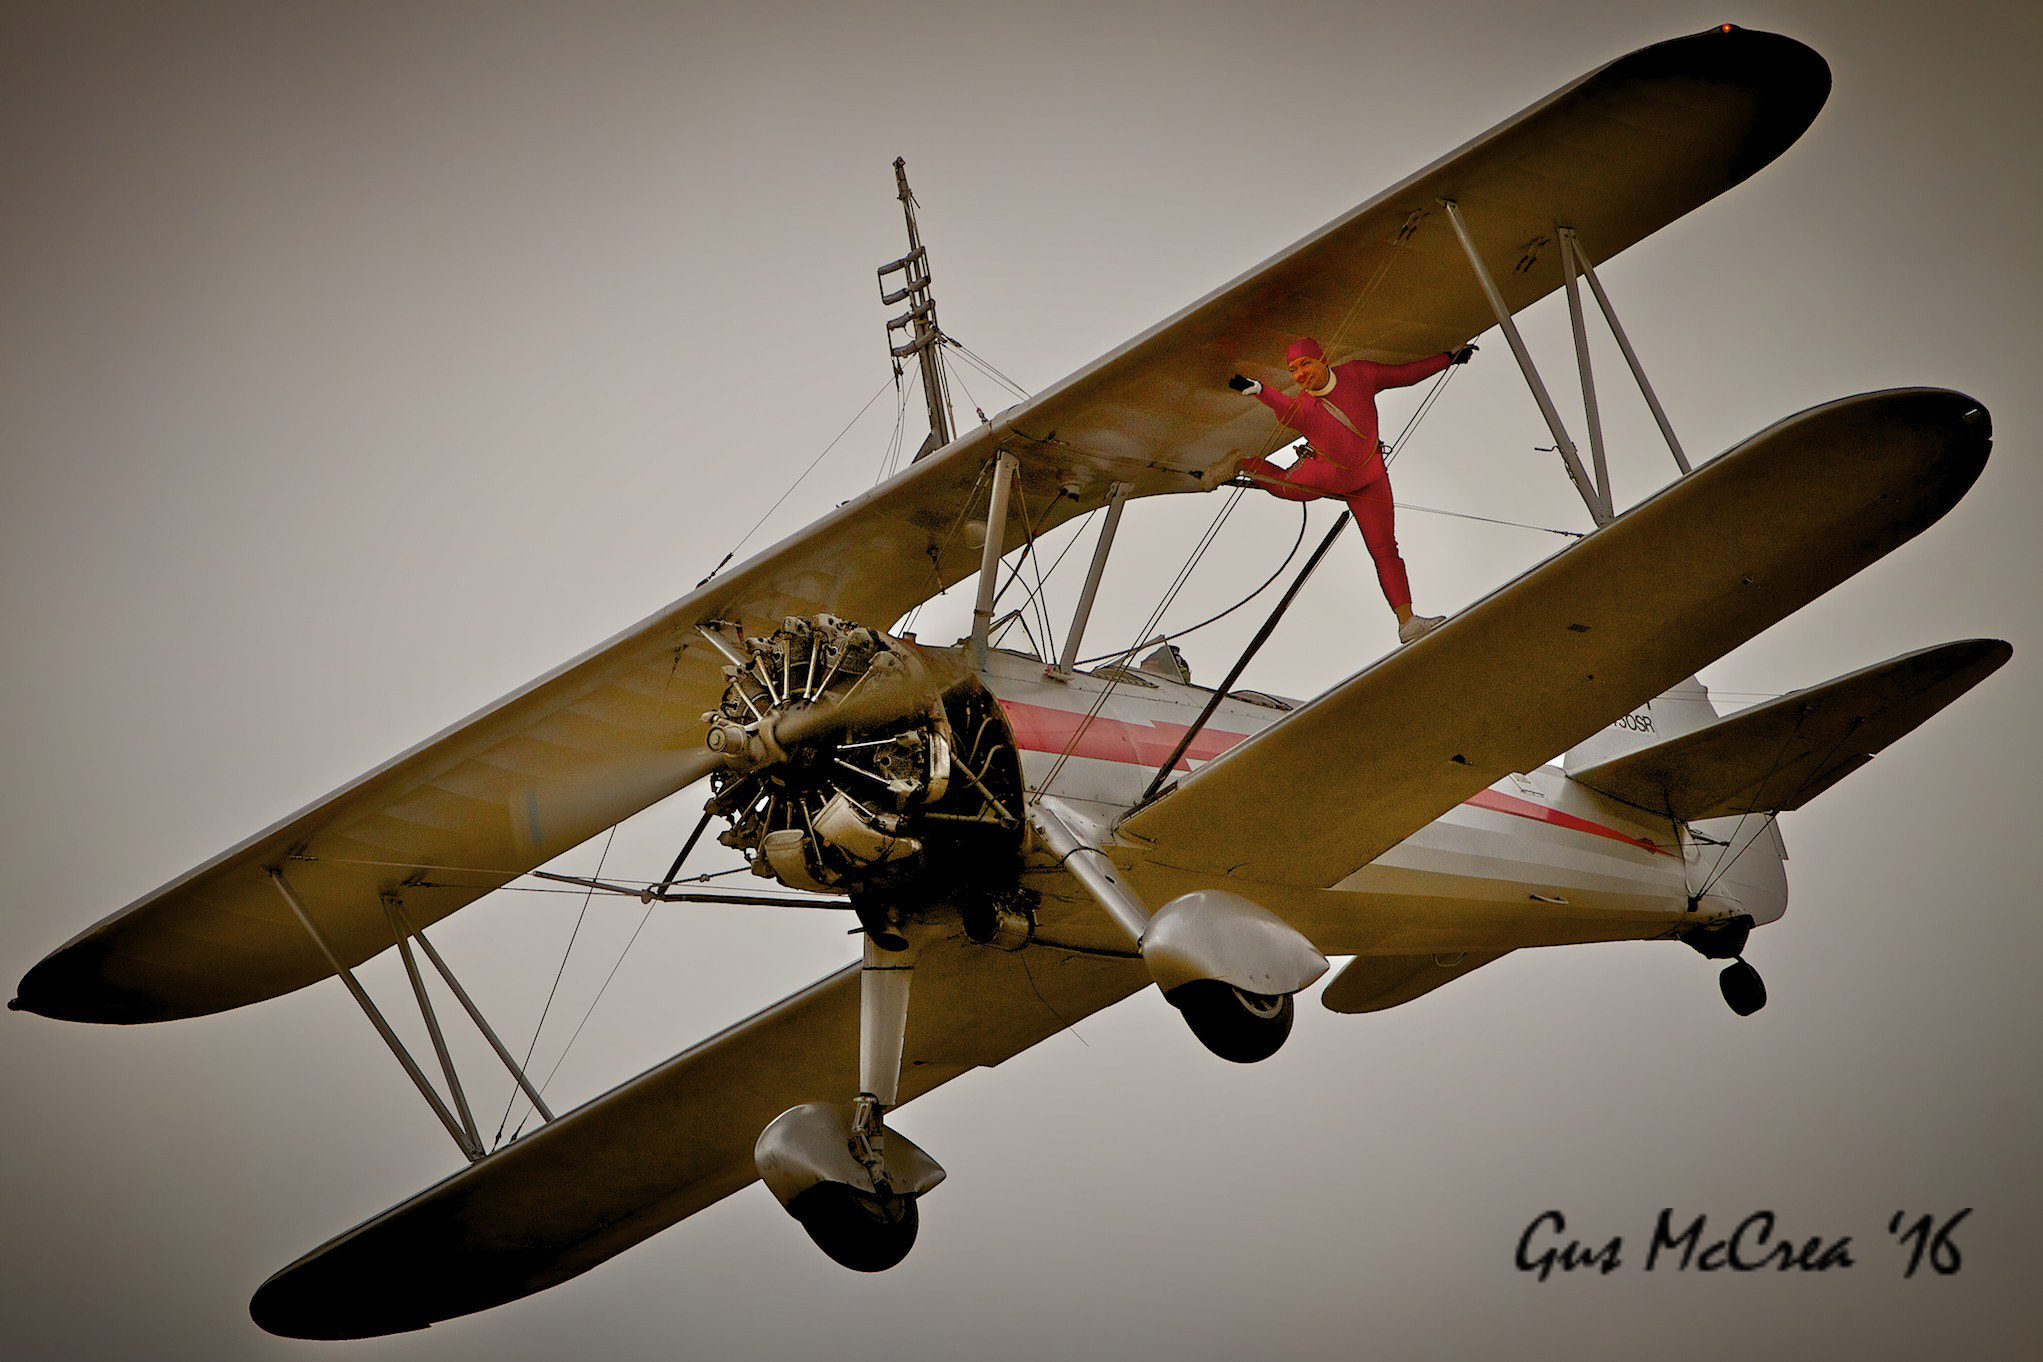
x: 1383, y: 376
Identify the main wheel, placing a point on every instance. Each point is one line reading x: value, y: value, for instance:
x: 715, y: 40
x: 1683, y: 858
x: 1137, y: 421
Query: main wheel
x: 1742, y: 988
x: 860, y: 1230
x: 1238, y: 1026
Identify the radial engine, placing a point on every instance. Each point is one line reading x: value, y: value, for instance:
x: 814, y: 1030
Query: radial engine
x: 862, y: 764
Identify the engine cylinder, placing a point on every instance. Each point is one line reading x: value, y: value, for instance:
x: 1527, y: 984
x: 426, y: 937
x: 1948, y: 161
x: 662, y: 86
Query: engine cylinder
x: 863, y: 763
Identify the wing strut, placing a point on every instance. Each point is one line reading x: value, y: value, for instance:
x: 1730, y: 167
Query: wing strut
x: 1572, y: 255
x: 460, y: 1120
x: 1093, y: 574
x: 470, y: 1146
x: 989, y: 564
x: 1594, y: 496
x: 1595, y: 490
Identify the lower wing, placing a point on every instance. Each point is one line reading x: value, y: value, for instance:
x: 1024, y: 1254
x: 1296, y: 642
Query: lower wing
x: 661, y: 1147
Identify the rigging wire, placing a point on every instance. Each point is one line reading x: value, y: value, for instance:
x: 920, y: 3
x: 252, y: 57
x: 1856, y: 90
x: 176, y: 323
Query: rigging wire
x: 951, y: 375
x: 987, y: 369
x: 938, y: 550
x: 1099, y: 701
x: 501, y: 874
x: 1304, y: 518
x: 1028, y: 555
x: 540, y: 1025
x: 615, y: 965
x: 890, y: 457
x: 798, y: 481
x: 1411, y: 424
x: 1773, y: 815
x: 1491, y: 520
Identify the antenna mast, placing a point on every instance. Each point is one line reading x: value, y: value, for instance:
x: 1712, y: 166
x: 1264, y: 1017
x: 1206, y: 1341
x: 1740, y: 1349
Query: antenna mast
x: 919, y: 320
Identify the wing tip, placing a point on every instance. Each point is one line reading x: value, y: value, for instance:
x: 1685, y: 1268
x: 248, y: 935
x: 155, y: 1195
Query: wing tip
x: 1789, y: 80
x: 278, y: 1309
x: 72, y: 984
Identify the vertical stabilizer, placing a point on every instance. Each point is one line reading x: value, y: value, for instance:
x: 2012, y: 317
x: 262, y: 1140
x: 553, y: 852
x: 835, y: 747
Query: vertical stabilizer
x: 1682, y: 709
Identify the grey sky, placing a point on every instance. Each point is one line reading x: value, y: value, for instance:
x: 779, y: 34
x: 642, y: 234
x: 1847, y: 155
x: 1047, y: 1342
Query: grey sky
x: 359, y: 363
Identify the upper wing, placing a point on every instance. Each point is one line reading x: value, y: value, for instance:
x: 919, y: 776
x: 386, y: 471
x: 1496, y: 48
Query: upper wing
x: 1577, y: 642
x: 1616, y: 155
x: 516, y: 784
x: 668, y: 1143
x: 1782, y: 754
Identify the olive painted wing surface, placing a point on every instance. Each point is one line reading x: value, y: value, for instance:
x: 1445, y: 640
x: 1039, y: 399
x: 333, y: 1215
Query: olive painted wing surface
x: 1615, y: 156
x: 1546, y: 660
x: 1574, y: 644
x: 589, y: 1185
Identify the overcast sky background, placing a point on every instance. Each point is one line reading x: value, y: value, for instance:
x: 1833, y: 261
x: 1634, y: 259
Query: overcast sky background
x: 360, y: 362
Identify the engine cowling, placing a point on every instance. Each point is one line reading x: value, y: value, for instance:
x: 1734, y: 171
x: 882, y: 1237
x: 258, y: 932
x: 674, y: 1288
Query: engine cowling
x: 861, y: 763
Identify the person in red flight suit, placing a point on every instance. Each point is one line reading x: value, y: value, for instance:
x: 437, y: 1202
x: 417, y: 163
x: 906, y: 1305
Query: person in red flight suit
x: 1336, y: 412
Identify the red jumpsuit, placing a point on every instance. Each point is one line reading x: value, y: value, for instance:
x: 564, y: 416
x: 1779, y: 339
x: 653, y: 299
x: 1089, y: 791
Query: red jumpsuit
x: 1347, y: 463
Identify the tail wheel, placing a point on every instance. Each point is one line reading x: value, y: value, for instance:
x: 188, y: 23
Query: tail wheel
x: 1742, y: 988
x: 1236, y: 1025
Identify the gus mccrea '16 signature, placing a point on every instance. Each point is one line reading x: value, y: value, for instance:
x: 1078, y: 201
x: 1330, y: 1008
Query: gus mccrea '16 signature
x: 1751, y: 1247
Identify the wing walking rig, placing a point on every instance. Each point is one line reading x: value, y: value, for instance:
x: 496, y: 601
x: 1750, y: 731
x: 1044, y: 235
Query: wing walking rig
x: 1541, y: 770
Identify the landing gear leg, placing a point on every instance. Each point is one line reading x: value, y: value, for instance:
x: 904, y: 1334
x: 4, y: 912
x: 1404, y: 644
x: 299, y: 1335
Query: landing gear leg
x: 851, y: 1183
x: 883, y: 983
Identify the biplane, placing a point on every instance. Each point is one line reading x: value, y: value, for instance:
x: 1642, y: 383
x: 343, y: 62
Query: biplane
x: 1022, y: 841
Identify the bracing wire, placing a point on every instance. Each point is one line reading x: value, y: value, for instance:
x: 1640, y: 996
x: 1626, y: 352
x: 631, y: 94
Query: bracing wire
x: 986, y: 368
x: 1143, y: 635
x: 558, y: 974
x: 951, y: 375
x: 891, y: 457
x: 1490, y: 520
x: 1725, y: 860
x: 615, y: 965
x: 965, y: 505
x: 1304, y: 518
x: 1425, y: 405
x: 1030, y: 526
x: 804, y: 474
x: 1411, y: 424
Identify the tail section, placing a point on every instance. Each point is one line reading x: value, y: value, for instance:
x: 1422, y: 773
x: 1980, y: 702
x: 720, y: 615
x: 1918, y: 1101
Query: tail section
x: 1782, y: 754
x: 1676, y: 759
x: 1684, y: 709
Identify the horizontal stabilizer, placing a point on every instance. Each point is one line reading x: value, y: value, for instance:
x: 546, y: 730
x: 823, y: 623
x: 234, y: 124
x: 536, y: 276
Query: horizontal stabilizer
x: 1371, y: 983
x: 1782, y: 754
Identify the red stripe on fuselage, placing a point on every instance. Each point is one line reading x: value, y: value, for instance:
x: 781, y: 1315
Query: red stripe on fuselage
x: 1038, y: 728
x: 1496, y: 801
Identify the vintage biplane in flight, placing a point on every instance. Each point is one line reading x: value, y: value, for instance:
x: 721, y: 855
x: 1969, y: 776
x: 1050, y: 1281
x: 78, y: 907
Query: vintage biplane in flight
x: 1025, y: 843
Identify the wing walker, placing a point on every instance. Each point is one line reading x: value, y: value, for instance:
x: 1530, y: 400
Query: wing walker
x: 1024, y: 840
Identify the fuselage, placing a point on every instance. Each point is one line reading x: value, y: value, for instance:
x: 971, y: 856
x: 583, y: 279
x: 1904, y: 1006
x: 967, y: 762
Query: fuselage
x: 1535, y: 859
